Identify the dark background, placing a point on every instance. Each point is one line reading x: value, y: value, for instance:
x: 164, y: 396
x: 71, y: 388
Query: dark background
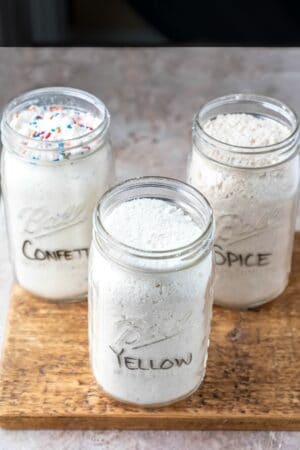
x: 149, y: 22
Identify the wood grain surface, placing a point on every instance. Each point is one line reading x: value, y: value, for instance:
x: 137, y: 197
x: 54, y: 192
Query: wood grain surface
x: 252, y: 380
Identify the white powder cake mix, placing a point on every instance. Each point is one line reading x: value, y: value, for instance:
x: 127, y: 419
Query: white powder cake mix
x: 246, y: 130
x: 149, y: 329
x: 254, y: 207
x: 50, y: 189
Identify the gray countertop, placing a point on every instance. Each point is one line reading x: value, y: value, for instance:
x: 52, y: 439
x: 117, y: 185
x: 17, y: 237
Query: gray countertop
x: 152, y: 95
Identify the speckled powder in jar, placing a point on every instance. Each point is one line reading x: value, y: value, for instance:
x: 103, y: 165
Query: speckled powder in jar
x: 247, y: 166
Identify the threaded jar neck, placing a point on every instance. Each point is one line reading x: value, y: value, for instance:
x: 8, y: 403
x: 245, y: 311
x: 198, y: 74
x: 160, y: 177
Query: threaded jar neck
x: 58, y: 150
x: 246, y: 157
x: 173, y: 191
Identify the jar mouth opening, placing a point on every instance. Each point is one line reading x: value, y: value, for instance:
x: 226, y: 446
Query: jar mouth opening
x: 67, y: 92
x: 152, y: 182
x: 236, y: 100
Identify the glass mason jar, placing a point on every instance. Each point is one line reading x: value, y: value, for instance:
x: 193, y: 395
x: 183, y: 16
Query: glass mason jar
x: 150, y: 311
x: 50, y: 189
x: 253, y: 192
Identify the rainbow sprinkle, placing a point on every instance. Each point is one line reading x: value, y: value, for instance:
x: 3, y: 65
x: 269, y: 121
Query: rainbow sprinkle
x: 46, y: 122
x: 53, y: 124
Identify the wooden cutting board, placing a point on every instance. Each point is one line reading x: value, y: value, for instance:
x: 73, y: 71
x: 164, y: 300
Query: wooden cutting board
x: 252, y: 380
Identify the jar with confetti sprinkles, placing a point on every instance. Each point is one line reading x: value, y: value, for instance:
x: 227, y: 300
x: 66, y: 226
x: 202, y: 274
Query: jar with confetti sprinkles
x: 56, y: 163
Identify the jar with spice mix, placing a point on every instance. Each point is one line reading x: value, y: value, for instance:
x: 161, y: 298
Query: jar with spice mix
x: 245, y: 160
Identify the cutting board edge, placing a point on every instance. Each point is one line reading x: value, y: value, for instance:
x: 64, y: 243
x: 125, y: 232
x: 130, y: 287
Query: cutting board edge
x: 146, y: 423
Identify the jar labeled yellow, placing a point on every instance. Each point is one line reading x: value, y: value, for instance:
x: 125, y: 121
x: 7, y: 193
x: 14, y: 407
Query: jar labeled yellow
x: 150, y: 290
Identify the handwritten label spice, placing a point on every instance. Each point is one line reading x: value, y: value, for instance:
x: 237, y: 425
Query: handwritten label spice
x: 254, y: 206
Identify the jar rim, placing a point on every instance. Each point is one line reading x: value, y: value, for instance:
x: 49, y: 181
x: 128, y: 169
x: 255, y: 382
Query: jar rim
x: 251, y: 98
x: 75, y: 142
x: 154, y: 182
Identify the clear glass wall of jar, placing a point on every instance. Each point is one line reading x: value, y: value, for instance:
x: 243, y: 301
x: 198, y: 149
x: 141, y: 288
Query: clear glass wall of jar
x: 150, y: 311
x: 50, y: 189
x: 253, y: 192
